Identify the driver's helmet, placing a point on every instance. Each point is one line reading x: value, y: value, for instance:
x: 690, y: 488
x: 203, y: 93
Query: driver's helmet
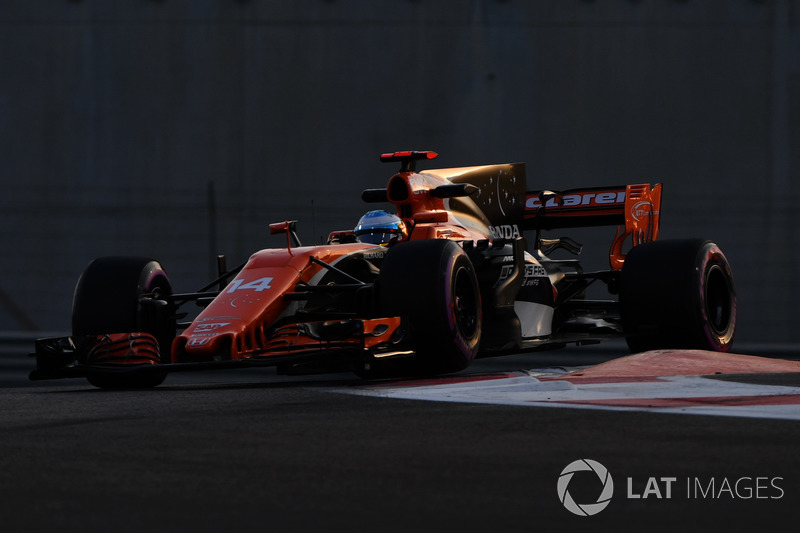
x: 380, y: 227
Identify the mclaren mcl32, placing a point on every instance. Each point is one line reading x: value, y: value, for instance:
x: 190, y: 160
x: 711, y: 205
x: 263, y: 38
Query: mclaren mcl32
x: 473, y: 273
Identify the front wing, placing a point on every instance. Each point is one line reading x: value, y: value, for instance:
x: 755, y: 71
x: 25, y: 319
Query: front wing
x: 327, y: 345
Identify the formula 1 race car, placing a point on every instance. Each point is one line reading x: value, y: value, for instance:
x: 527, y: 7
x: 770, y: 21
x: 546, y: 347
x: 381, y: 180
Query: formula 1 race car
x: 448, y: 278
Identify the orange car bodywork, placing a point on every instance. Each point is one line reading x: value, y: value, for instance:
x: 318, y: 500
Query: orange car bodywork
x: 266, y: 312
x: 238, y: 323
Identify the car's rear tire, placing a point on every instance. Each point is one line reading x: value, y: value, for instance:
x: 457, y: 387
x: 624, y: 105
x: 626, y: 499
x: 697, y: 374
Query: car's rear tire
x: 677, y: 294
x: 432, y: 284
x: 107, y: 300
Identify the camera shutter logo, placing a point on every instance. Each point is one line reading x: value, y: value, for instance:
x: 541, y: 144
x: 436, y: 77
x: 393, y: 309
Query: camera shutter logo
x: 585, y: 509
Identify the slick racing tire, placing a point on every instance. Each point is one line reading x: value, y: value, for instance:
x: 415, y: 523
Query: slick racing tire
x: 677, y: 294
x: 433, y: 286
x: 107, y: 300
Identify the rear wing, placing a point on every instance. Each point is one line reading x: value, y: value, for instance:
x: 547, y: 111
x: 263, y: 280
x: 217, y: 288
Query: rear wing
x: 635, y: 209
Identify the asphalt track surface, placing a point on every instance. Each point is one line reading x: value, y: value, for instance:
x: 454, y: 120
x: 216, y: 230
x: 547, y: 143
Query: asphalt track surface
x: 253, y: 451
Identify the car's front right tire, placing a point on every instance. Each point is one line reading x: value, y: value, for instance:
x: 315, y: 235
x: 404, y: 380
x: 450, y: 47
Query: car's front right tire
x: 108, y: 299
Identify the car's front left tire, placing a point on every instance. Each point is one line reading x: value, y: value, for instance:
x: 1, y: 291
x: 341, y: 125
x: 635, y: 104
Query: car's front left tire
x: 432, y: 285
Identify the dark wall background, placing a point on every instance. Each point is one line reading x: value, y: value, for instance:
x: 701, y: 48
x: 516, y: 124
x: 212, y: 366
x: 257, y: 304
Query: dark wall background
x: 178, y: 128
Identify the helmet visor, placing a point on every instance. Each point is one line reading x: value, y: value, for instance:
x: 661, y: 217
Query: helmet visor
x: 376, y: 236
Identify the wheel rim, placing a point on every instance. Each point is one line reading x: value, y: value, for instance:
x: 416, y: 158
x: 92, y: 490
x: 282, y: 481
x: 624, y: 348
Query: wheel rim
x: 718, y: 300
x: 465, y: 304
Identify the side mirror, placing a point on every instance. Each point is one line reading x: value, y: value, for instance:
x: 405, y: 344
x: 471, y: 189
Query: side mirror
x: 374, y: 196
x: 456, y: 190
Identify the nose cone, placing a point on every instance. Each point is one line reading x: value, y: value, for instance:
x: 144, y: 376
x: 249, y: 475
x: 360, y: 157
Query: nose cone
x: 234, y: 323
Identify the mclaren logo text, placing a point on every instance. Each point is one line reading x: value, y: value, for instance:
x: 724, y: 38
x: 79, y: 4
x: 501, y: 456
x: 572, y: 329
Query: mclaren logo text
x: 584, y: 199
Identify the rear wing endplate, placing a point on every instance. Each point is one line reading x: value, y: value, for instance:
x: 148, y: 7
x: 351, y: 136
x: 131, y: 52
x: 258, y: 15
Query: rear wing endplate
x: 635, y: 209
